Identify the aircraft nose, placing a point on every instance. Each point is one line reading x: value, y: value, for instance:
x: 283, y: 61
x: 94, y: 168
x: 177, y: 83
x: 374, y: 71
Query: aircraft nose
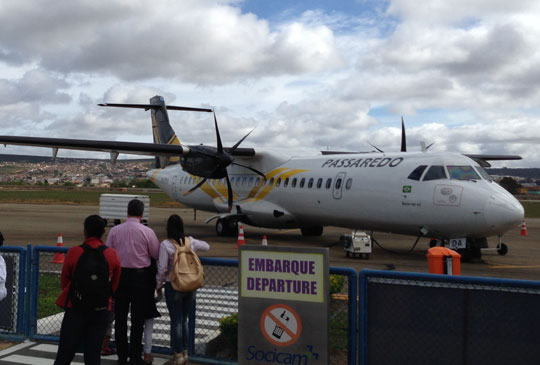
x: 503, y: 211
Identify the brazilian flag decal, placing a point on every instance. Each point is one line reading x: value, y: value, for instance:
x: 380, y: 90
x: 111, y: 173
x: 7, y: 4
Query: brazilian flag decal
x: 407, y: 188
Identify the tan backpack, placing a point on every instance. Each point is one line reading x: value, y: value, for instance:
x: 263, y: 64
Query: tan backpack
x: 187, y: 273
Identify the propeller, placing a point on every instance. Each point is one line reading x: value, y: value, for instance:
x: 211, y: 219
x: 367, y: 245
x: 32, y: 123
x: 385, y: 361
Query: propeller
x: 219, y: 161
x: 403, y: 138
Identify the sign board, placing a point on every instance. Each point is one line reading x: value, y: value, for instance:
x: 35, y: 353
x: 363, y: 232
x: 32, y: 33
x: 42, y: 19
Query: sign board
x: 283, y: 305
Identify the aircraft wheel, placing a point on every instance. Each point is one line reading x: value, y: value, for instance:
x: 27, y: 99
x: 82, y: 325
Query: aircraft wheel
x: 221, y: 227
x: 502, y: 250
x: 312, y: 231
x: 226, y: 227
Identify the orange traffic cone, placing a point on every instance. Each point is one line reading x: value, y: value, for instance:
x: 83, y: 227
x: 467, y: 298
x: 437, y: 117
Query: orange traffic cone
x: 241, y: 240
x: 59, y: 257
x: 524, y: 229
x: 264, y: 241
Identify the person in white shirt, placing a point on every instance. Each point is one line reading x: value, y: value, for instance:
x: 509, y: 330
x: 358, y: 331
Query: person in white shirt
x: 178, y: 303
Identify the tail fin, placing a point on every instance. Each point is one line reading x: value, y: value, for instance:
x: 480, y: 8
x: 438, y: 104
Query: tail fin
x: 162, y: 130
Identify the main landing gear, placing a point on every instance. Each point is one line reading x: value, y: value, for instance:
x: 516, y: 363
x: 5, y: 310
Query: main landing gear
x: 226, y: 227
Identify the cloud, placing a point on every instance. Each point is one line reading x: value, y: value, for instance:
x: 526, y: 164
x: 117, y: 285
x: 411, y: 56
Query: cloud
x: 463, y: 74
x: 35, y: 85
x: 200, y: 42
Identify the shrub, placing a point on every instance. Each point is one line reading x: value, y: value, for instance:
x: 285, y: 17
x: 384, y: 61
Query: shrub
x: 336, y: 283
x: 228, y: 326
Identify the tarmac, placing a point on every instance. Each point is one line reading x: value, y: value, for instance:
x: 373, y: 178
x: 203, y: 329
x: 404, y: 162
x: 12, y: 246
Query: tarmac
x: 35, y: 224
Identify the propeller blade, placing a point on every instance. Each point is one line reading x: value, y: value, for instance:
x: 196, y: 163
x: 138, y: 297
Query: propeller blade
x: 252, y: 169
x: 233, y: 148
x: 377, y: 148
x: 196, y: 186
x: 218, y: 137
x: 229, y: 191
x: 403, y: 138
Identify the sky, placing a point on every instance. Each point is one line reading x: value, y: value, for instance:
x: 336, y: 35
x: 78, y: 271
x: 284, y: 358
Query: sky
x: 306, y: 75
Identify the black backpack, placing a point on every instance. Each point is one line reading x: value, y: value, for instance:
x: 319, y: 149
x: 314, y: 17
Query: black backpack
x: 91, y: 286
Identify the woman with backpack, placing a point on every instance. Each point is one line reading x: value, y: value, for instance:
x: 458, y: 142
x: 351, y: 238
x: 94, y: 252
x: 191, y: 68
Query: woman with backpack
x: 179, y: 303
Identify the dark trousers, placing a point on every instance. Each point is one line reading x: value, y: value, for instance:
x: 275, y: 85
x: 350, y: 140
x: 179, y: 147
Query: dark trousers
x: 82, y: 327
x: 131, y: 296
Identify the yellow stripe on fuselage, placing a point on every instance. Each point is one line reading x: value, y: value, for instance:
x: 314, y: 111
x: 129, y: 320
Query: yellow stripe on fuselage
x: 268, y: 188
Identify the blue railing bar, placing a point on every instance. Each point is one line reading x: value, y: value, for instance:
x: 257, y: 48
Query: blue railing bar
x: 28, y: 290
x: 217, y: 261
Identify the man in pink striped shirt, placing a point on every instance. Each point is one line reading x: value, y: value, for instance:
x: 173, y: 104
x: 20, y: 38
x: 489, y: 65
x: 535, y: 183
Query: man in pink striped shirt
x: 136, y: 244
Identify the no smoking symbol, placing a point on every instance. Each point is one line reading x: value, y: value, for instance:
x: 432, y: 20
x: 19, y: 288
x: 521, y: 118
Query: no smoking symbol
x: 281, y: 325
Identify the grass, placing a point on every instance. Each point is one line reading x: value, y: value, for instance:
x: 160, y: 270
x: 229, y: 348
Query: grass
x: 48, y: 195
x: 48, y: 291
x: 532, y: 208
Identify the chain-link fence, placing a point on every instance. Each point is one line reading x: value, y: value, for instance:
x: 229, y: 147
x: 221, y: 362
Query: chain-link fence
x: 12, y: 306
x: 432, y: 319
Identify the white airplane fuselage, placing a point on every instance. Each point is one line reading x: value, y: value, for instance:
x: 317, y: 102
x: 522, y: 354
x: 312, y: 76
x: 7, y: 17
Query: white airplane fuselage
x: 372, y: 191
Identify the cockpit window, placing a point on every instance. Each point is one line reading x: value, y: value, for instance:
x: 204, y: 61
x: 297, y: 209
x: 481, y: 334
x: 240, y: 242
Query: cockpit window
x: 483, y: 173
x: 417, y: 173
x: 435, y: 172
x: 462, y: 173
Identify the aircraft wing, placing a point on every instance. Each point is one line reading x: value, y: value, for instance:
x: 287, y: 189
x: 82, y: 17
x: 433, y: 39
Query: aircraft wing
x: 134, y: 148
x: 483, y: 159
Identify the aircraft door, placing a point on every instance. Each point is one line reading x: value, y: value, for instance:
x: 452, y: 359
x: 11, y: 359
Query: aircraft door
x: 338, y: 185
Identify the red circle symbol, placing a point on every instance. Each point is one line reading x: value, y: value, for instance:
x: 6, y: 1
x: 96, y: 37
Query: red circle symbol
x: 281, y: 325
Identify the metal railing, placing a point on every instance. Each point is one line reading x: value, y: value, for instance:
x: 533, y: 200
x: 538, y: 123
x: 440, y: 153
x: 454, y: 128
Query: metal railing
x: 401, y: 317
x: 437, y: 319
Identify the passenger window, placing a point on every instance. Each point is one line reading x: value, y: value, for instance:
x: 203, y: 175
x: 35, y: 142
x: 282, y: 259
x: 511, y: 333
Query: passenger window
x: 257, y: 181
x: 302, y: 182
x: 319, y: 183
x: 244, y: 181
x: 435, y: 172
x: 462, y: 173
x: 250, y: 181
x: 417, y: 173
x: 293, y: 183
x: 271, y: 183
x: 338, y: 183
x: 348, y: 184
x: 286, y: 182
x: 278, y: 182
x: 310, y: 183
x: 328, y: 183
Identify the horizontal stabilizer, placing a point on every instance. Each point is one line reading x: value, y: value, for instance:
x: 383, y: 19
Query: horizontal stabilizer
x: 151, y: 106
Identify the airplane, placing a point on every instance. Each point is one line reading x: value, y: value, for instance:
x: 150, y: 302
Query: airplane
x: 447, y: 197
